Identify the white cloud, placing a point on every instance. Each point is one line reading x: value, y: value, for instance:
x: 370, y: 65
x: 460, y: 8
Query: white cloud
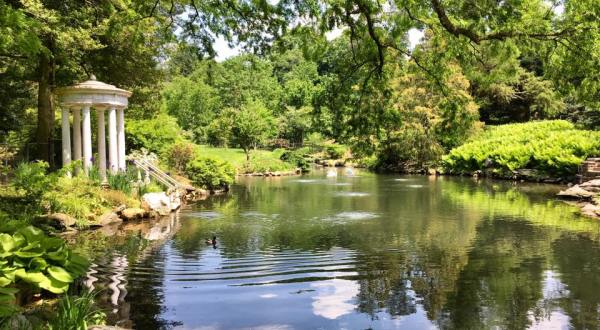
x: 223, y: 50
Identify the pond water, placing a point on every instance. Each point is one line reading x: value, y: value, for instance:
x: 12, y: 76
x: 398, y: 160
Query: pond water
x: 369, y: 251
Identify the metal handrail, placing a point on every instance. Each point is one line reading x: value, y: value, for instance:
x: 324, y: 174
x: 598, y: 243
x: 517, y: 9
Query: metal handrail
x: 156, y: 173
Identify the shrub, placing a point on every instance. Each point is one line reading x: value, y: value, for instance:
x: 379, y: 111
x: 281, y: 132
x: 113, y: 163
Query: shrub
x: 335, y: 151
x: 153, y: 134
x: 179, y: 154
x: 552, y: 147
x: 29, y: 257
x: 32, y: 179
x: 297, y: 158
x: 78, y: 197
x: 210, y: 173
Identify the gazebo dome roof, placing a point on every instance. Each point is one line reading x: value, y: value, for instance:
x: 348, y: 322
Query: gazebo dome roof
x: 94, y: 93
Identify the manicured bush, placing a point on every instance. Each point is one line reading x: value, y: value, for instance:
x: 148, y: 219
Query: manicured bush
x: 210, y: 173
x: 554, y: 148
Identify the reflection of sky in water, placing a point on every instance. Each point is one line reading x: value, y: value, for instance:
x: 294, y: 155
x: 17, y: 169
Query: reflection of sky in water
x: 553, y: 290
x: 334, y: 298
x: 205, y: 214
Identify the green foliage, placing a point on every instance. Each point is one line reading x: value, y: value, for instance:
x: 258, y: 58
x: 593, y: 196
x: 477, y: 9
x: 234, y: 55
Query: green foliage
x: 264, y: 164
x: 153, y: 134
x: 210, y: 173
x: 28, y: 257
x: 179, y: 154
x: 553, y: 147
x: 296, y: 157
x: 149, y: 188
x: 33, y: 180
x: 77, y: 313
x: 334, y: 150
x: 253, y: 126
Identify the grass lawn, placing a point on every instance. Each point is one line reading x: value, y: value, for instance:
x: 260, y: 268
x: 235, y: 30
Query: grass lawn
x: 259, y: 159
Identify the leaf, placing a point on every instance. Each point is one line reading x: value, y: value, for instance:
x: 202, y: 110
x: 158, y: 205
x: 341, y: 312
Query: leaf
x: 54, y: 286
x: 4, y: 281
x: 7, y: 242
x: 38, y: 264
x: 31, y: 277
x: 29, y: 254
x: 60, y: 274
x: 32, y: 234
x: 8, y: 291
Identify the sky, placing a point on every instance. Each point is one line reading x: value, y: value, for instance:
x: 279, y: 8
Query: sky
x: 224, y: 51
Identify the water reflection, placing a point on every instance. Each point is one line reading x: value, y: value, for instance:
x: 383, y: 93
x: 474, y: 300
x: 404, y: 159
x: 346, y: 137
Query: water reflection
x: 452, y: 254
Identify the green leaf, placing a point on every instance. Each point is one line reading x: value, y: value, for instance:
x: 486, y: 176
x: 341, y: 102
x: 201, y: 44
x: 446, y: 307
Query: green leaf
x: 32, y: 234
x: 29, y: 254
x: 38, y: 264
x: 55, y: 286
x: 8, y: 291
x: 31, y: 277
x: 60, y: 274
x: 4, y: 281
x: 7, y: 242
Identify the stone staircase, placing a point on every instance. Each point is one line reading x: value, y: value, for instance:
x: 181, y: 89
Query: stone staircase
x: 590, y: 169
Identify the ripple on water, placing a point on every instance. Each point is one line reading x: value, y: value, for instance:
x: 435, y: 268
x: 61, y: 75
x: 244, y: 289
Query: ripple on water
x: 351, y: 194
x: 415, y: 186
x: 341, y: 184
x: 306, y: 180
x: 402, y: 179
x: 206, y: 215
x: 356, y: 215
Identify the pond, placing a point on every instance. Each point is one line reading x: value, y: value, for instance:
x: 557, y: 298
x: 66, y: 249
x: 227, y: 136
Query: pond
x: 355, y: 252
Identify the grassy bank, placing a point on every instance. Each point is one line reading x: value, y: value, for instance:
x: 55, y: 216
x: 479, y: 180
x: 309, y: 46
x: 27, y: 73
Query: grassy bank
x: 260, y: 160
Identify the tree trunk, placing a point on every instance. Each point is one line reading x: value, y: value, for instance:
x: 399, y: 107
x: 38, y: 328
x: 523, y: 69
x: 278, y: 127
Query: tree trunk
x: 45, y: 126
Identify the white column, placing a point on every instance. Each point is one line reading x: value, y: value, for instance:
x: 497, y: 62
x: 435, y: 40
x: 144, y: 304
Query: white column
x: 113, y: 158
x: 66, y: 137
x: 87, y: 138
x: 76, y: 134
x: 121, y: 137
x: 101, y: 145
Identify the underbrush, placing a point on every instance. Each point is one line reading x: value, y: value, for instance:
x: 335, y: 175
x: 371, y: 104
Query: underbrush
x: 553, y: 148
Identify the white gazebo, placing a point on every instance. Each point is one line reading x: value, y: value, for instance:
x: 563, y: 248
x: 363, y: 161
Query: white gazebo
x: 80, y: 99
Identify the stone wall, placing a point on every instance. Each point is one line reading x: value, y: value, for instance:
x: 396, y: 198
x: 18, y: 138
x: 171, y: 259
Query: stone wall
x: 590, y: 169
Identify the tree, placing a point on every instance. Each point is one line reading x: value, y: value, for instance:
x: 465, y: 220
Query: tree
x: 253, y: 126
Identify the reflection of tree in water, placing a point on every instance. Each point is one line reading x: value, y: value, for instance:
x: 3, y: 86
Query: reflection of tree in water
x: 502, y: 281
x: 578, y: 259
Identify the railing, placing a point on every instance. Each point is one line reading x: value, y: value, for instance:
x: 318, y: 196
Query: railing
x: 156, y: 173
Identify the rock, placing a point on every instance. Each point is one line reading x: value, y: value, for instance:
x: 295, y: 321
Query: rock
x: 119, y: 209
x: 133, y: 213
x: 592, y: 185
x: 590, y: 209
x: 61, y: 220
x: 159, y: 202
x: 576, y: 192
x: 109, y: 218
